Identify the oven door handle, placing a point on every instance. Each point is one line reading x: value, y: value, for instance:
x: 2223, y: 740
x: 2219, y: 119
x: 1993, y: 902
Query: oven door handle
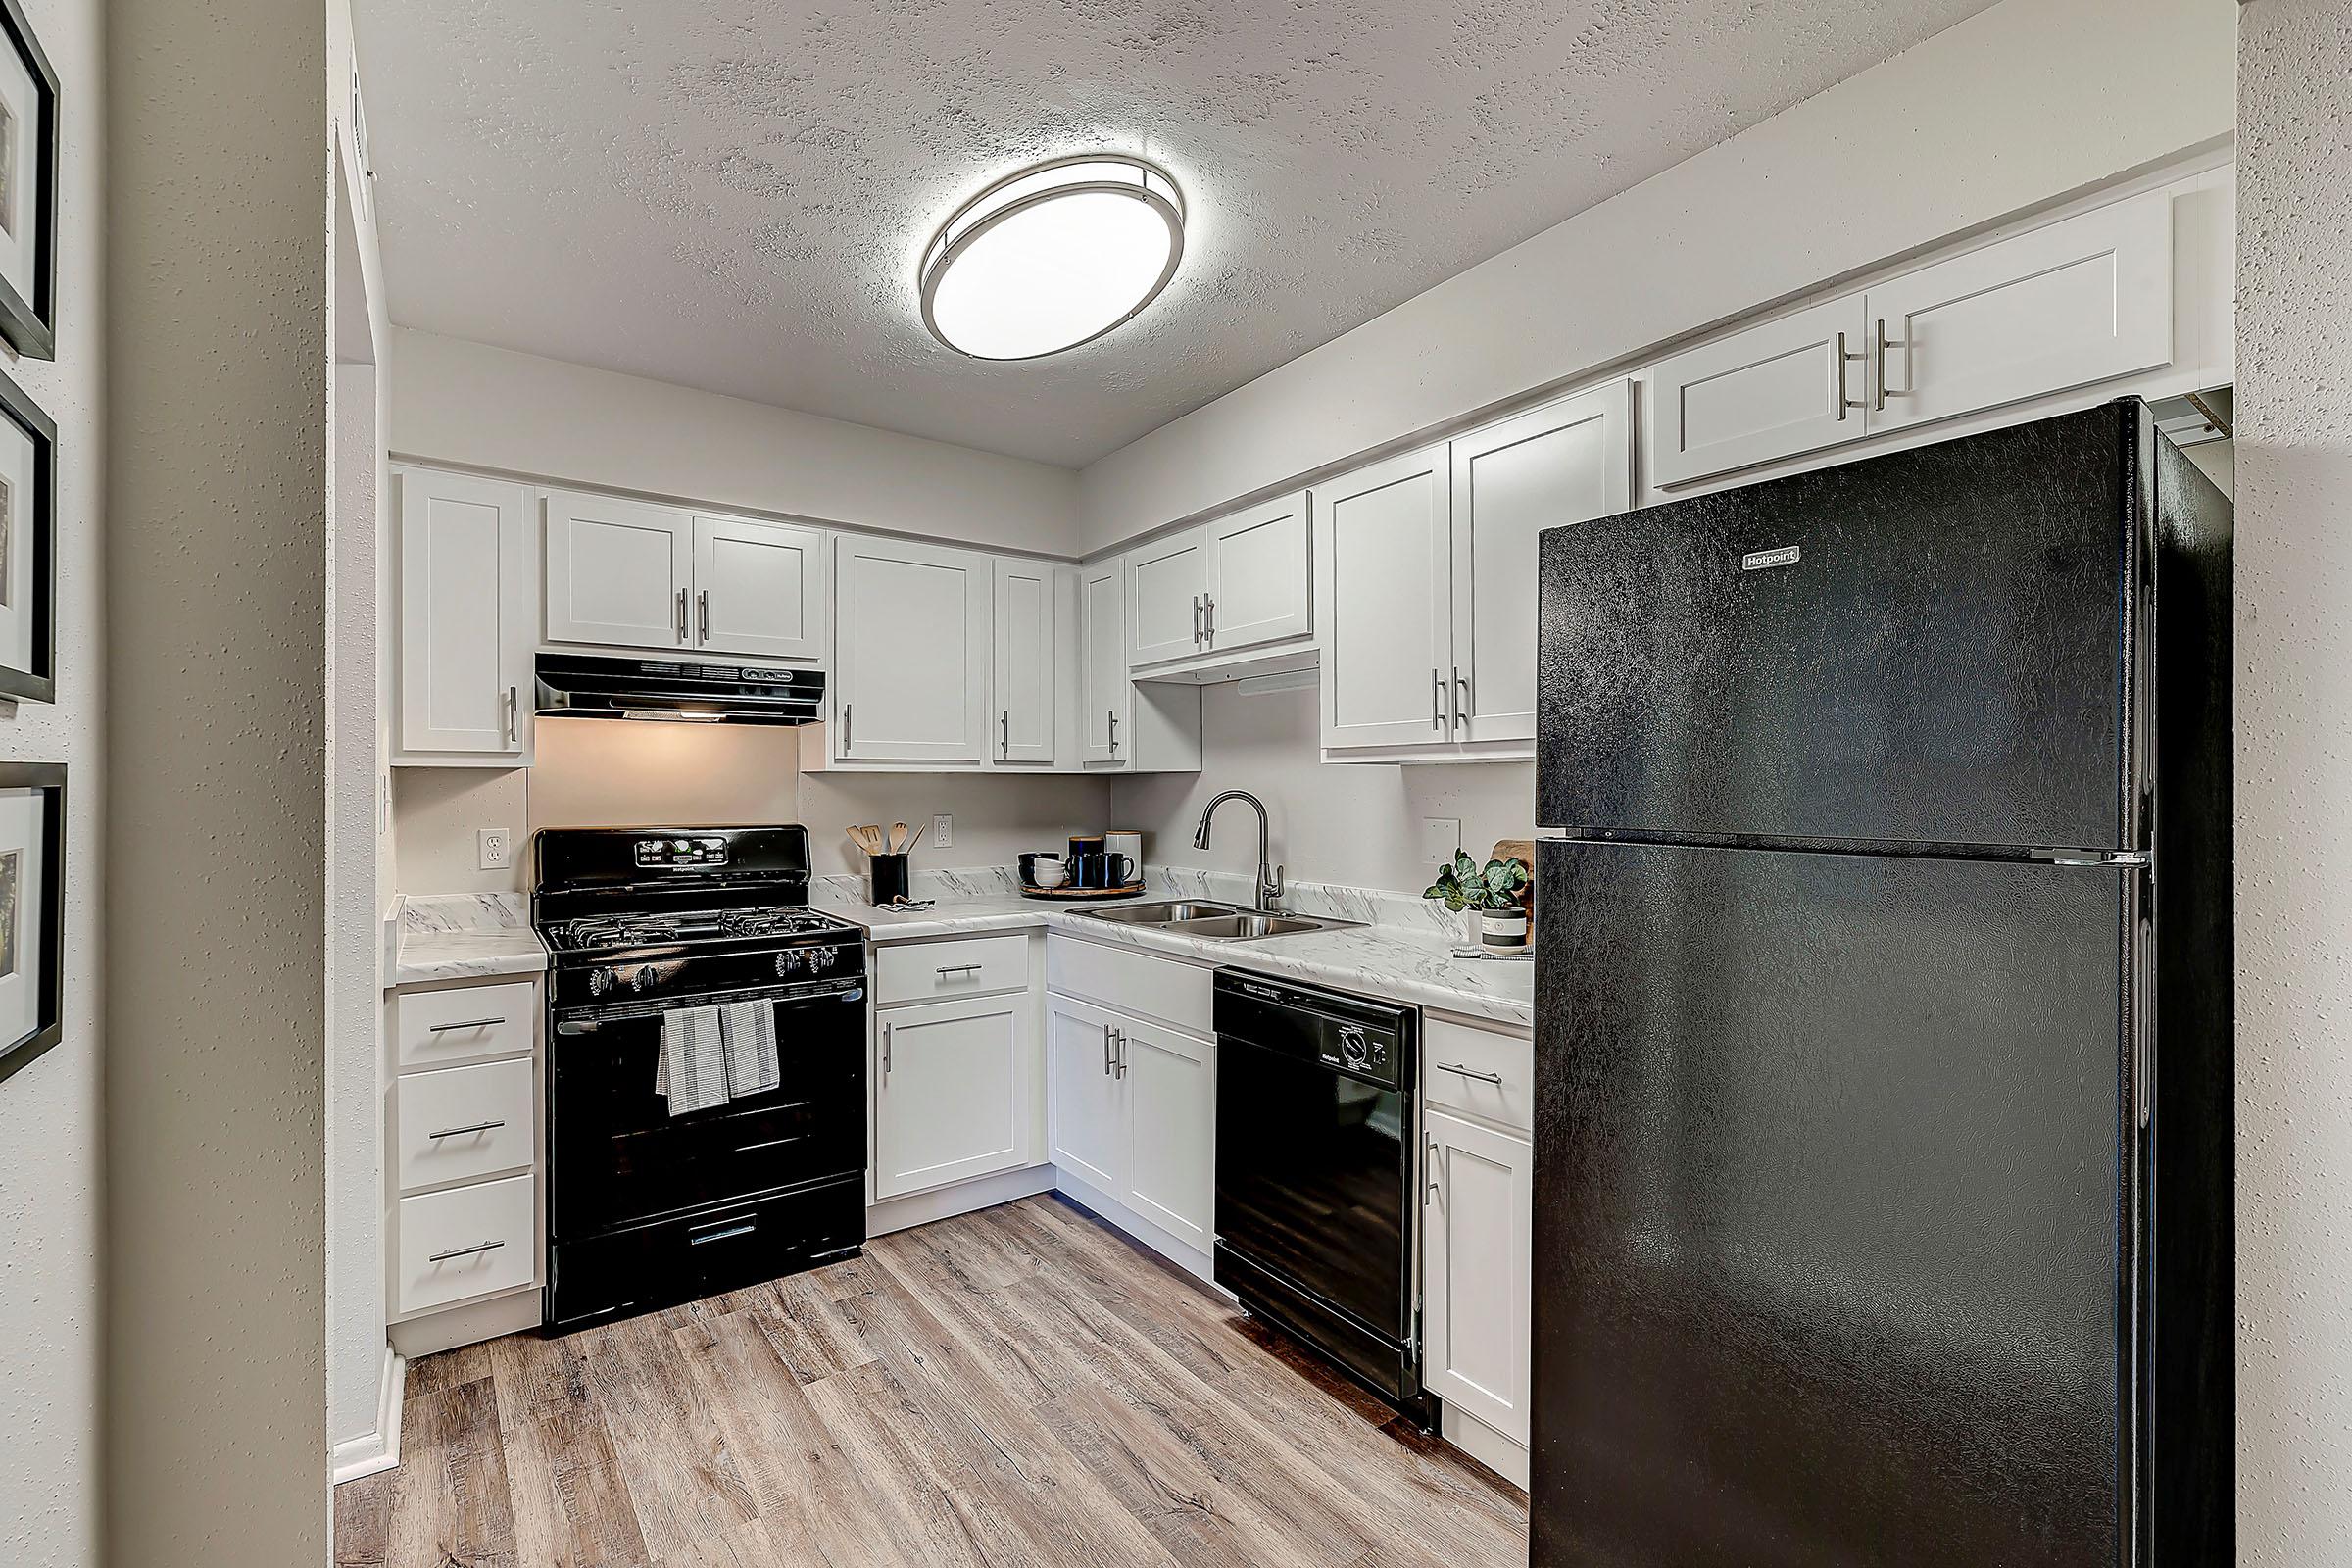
x: 587, y: 1020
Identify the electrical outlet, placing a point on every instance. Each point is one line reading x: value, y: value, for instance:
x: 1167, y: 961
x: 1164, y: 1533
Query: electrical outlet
x: 943, y: 830
x: 1441, y: 836
x: 498, y: 850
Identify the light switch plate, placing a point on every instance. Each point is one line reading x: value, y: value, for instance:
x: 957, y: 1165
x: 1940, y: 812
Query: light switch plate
x: 943, y: 830
x: 1441, y: 836
x: 498, y: 850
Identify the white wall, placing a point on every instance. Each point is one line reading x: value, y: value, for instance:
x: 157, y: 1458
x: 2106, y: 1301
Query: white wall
x: 996, y: 819
x: 1353, y: 823
x: 2295, y: 785
x: 2024, y: 103
x: 467, y: 403
x: 52, y: 1140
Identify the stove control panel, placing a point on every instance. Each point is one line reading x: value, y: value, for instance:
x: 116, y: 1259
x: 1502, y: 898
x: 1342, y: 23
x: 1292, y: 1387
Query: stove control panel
x: 808, y: 961
x: 664, y: 853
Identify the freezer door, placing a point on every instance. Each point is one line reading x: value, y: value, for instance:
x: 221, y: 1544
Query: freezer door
x: 1928, y: 646
x: 1829, y: 1239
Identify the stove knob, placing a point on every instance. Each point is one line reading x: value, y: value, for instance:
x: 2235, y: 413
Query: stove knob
x: 600, y: 981
x: 822, y: 959
x: 787, y: 962
x: 641, y: 979
x: 1351, y: 1045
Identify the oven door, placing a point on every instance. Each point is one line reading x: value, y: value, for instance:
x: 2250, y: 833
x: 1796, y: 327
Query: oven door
x: 1314, y: 1166
x: 616, y: 1155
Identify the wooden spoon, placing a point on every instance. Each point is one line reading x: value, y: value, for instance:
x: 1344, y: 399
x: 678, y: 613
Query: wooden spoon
x: 898, y: 838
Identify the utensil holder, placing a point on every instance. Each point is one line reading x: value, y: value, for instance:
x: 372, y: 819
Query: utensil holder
x: 887, y: 880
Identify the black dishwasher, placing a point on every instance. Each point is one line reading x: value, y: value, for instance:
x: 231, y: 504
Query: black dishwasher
x: 1317, y: 1141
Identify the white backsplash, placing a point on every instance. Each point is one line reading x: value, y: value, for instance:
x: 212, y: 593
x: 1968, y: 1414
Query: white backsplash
x: 1332, y: 900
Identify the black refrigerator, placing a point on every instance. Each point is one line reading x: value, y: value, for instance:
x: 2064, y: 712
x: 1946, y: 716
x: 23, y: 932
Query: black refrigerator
x: 1883, y: 998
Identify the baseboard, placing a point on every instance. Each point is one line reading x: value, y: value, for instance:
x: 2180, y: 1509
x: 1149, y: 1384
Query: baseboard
x: 945, y: 1202
x: 1483, y: 1444
x: 1183, y: 1255
x: 470, y: 1324
x: 380, y: 1449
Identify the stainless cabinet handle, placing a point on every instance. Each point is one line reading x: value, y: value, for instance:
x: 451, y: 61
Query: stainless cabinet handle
x: 1004, y: 732
x: 726, y: 1235
x: 1437, y: 700
x: 947, y: 969
x: 1120, y: 1034
x: 514, y: 712
x: 1113, y: 714
x: 1461, y: 699
x: 460, y: 1132
x: 1208, y: 618
x: 1459, y: 1071
x: 884, y: 1049
x: 463, y: 1251
x: 1106, y: 1051
x: 1844, y: 401
x: 702, y: 613
x: 844, y: 727
x: 1432, y: 1171
x: 1879, y: 344
x: 469, y: 1024
x: 681, y: 615
x: 1196, y: 620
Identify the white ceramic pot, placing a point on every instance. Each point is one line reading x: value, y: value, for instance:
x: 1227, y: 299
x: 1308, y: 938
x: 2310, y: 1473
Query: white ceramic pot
x: 1502, y: 930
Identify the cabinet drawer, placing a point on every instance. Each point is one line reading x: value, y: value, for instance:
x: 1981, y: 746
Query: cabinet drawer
x: 1142, y: 983
x: 463, y: 1123
x: 467, y: 1241
x: 467, y: 1023
x: 970, y: 966
x: 1485, y: 1073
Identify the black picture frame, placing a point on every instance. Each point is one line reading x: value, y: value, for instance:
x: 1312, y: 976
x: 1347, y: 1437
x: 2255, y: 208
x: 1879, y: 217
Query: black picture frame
x: 49, y: 963
x: 30, y: 326
x: 38, y: 684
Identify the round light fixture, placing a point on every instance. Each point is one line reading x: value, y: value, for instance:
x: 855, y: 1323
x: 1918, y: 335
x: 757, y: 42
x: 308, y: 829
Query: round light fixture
x: 1052, y: 256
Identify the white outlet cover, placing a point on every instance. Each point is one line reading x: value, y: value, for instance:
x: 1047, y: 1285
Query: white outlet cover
x: 943, y: 830
x: 1440, y: 837
x: 497, y: 849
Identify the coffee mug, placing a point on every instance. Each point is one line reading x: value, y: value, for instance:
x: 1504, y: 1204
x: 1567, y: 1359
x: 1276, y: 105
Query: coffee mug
x: 1103, y: 869
x: 1044, y: 868
x: 1127, y: 842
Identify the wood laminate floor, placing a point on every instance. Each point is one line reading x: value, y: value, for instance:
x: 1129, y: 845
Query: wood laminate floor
x: 1018, y: 1387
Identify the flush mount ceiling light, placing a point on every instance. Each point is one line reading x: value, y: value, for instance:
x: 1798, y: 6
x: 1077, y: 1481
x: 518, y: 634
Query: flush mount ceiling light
x: 1052, y: 256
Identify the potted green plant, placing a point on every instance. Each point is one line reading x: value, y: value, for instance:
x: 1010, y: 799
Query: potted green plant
x: 1486, y: 898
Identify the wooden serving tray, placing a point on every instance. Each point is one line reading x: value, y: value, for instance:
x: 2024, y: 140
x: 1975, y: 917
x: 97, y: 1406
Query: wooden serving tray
x: 1082, y: 895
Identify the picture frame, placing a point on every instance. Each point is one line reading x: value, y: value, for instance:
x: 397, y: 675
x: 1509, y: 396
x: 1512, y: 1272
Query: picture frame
x: 33, y: 912
x: 27, y: 547
x: 29, y: 185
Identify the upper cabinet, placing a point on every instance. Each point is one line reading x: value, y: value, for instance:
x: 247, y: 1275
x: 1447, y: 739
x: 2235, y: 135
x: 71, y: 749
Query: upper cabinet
x: 1021, y: 666
x: 2083, y: 300
x: 1239, y: 583
x: 632, y: 575
x: 911, y: 653
x: 1104, y: 690
x: 468, y: 602
x: 1425, y: 572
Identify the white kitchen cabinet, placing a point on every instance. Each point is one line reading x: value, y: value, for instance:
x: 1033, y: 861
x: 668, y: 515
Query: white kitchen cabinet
x: 1569, y: 462
x: 911, y: 671
x: 759, y: 588
x: 1083, y: 1094
x: 619, y: 573
x: 1021, y: 661
x: 2080, y: 301
x: 1383, y: 574
x: 468, y: 602
x: 1168, y: 581
x: 2085, y: 299
x: 1171, y: 1157
x: 1477, y: 1270
x: 1103, y: 689
x: 1258, y: 589
x: 951, y: 1096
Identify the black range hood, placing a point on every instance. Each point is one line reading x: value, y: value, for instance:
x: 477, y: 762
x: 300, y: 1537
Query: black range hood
x: 676, y: 690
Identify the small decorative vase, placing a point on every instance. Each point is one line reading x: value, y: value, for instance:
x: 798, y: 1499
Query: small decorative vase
x: 1502, y: 930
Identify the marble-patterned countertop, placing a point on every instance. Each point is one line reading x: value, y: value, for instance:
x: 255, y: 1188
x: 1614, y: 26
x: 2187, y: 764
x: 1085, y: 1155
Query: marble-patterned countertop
x: 1405, y: 957
x: 465, y: 936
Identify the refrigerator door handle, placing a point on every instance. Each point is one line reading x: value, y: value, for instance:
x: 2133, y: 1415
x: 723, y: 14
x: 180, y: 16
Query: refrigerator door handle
x: 2114, y: 858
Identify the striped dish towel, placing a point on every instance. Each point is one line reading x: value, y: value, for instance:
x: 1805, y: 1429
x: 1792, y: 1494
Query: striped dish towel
x: 749, y: 1032
x: 693, y: 1072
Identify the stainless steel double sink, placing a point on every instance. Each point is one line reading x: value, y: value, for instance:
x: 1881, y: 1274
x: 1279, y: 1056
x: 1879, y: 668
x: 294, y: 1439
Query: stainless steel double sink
x: 1219, y: 922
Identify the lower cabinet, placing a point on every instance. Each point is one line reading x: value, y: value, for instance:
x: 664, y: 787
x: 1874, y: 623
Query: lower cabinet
x: 953, y: 1091
x: 1132, y: 1111
x: 1478, y: 1199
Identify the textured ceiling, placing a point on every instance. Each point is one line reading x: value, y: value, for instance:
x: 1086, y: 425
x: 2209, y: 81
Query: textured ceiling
x: 733, y: 194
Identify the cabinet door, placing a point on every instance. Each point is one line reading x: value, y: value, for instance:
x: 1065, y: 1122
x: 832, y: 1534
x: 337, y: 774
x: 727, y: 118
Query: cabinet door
x: 1171, y: 1085
x: 1569, y: 463
x: 1104, y: 693
x: 954, y: 1092
x: 1770, y: 391
x: 759, y: 588
x: 1258, y: 586
x: 1167, y: 584
x: 617, y: 571
x: 2080, y: 301
x: 1084, y: 1097
x: 1475, y: 1270
x: 466, y: 629
x: 1021, y: 666
x: 1382, y: 569
x: 911, y: 653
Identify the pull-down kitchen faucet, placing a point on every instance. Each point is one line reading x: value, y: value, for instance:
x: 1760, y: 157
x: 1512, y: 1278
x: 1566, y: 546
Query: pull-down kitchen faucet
x: 1269, y: 882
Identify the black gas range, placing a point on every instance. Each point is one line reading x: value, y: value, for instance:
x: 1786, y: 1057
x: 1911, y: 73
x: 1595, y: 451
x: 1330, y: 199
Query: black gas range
x: 647, y: 1208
